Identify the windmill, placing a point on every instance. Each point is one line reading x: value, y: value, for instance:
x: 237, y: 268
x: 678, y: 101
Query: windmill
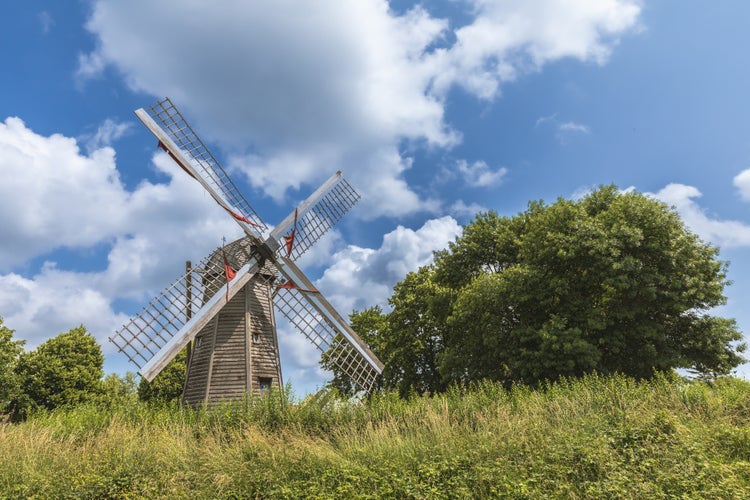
x: 222, y: 310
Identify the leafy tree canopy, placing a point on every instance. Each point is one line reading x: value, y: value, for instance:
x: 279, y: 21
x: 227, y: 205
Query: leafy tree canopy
x: 613, y: 282
x: 64, y: 370
x: 168, y: 384
x: 10, y: 351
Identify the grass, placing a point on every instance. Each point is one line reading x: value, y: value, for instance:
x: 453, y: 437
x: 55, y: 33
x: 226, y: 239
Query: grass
x: 596, y: 437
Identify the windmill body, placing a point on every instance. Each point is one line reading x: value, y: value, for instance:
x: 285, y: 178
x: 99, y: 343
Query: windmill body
x: 224, y: 307
x: 237, y: 352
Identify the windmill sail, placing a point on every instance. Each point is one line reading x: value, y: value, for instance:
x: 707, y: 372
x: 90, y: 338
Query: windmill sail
x: 313, y: 218
x: 179, y: 140
x: 316, y: 319
x: 156, y: 335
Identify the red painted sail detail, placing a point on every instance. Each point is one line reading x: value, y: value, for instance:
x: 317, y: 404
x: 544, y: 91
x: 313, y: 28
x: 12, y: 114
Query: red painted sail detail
x: 291, y: 285
x: 240, y: 217
x: 289, y: 239
x: 164, y: 147
x: 228, y: 272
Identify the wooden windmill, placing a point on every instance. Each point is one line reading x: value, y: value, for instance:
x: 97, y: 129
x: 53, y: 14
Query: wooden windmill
x: 224, y: 307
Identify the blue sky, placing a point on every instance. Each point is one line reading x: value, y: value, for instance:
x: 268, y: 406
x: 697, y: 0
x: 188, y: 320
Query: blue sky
x: 433, y: 111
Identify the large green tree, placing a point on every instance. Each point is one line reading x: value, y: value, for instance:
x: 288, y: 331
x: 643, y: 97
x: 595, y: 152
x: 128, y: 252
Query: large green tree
x: 64, y: 370
x: 613, y: 282
x: 10, y: 351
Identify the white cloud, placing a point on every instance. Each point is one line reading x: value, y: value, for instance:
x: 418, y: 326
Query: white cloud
x: 90, y: 66
x: 46, y: 20
x: 723, y: 233
x: 364, y: 277
x: 510, y: 38
x: 479, y: 174
x: 60, y: 197
x: 546, y: 119
x: 108, y: 132
x: 461, y: 210
x: 57, y: 196
x: 574, y: 127
x: 563, y: 130
x: 299, y: 91
x: 53, y: 302
x: 742, y: 183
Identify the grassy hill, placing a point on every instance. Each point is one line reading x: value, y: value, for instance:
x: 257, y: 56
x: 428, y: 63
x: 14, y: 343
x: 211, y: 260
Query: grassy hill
x: 597, y: 437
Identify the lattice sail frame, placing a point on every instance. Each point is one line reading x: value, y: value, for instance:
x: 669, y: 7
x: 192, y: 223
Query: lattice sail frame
x: 209, y: 169
x: 157, y: 332
x: 313, y: 222
x: 292, y: 304
x: 157, y: 324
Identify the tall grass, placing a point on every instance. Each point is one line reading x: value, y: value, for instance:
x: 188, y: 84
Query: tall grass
x: 596, y: 437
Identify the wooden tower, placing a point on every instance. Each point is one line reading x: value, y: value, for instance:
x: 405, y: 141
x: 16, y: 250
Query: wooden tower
x: 237, y: 352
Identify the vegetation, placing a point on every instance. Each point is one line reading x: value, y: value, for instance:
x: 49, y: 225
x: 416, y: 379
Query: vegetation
x: 611, y: 283
x: 10, y: 386
x: 591, y: 437
x: 168, y: 384
x: 64, y: 370
x: 534, y: 359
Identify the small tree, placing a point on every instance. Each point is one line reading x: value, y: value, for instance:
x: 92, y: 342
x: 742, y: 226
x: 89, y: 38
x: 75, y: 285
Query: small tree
x: 368, y: 324
x: 10, y: 351
x: 168, y: 384
x: 118, y: 390
x: 64, y: 370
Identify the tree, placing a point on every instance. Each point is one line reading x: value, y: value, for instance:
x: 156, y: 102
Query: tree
x: 368, y: 324
x: 64, y: 370
x: 613, y: 282
x: 168, y: 384
x: 411, y: 339
x: 118, y: 390
x: 407, y: 340
x: 10, y: 351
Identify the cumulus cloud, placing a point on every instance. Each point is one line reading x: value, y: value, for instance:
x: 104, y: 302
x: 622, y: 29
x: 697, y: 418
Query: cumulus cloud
x: 59, y: 197
x: 479, y: 174
x: 724, y: 233
x: 108, y: 132
x: 742, y: 183
x: 56, y: 195
x: 364, y: 277
x: 507, y: 39
x: 298, y: 91
x: 52, y: 302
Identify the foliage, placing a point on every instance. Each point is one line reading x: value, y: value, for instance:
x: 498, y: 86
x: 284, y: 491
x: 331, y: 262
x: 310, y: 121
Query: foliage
x: 167, y: 386
x: 369, y: 325
x: 408, y: 340
x: 119, y: 391
x: 611, y: 283
x: 64, y: 370
x: 590, y: 437
x: 10, y: 350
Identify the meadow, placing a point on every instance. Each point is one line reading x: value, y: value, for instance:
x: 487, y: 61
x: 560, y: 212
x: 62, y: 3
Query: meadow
x: 595, y: 437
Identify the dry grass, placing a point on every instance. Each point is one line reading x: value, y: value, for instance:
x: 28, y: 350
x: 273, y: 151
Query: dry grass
x: 590, y: 438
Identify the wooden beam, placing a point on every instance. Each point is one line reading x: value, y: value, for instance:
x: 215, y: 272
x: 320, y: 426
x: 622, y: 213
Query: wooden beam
x: 200, y: 319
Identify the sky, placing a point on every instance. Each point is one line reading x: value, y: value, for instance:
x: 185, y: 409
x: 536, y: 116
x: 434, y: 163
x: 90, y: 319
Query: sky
x: 433, y: 111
